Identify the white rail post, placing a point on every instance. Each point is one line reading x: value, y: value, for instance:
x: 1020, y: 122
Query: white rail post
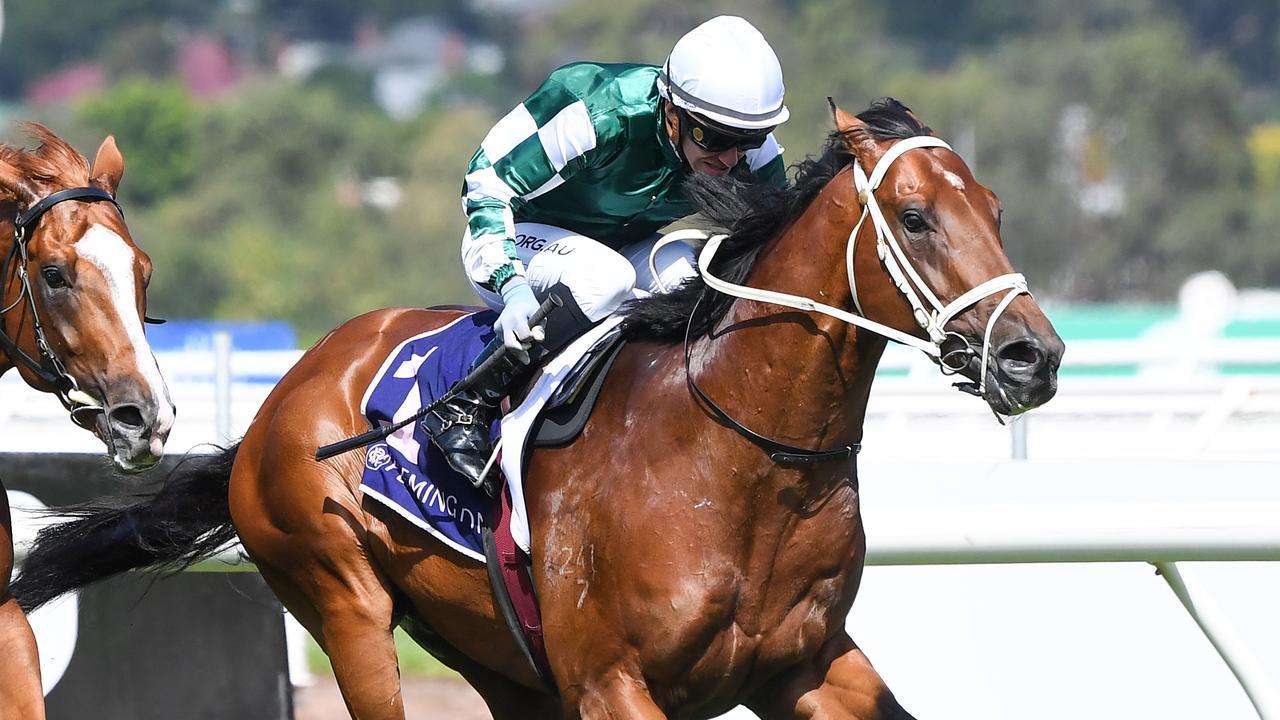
x: 1018, y: 437
x: 1234, y: 653
x: 222, y: 386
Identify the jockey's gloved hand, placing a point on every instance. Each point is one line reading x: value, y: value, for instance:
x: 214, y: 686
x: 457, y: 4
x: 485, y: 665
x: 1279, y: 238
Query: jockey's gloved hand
x: 518, y: 305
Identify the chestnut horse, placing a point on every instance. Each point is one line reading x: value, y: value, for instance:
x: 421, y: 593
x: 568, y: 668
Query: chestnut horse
x: 683, y: 564
x: 74, y: 302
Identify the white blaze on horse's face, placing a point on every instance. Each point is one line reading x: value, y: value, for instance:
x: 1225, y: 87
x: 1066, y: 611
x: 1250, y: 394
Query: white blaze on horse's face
x: 115, y: 259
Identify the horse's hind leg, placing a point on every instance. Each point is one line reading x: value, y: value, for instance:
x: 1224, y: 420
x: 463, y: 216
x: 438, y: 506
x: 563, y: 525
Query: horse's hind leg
x: 303, y: 528
x: 839, y: 683
x: 356, y: 633
x: 20, y: 694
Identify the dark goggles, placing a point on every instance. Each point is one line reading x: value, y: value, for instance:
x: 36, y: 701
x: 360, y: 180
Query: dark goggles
x: 717, y: 138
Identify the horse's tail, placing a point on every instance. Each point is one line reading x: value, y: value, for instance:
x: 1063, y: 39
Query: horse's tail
x: 184, y: 522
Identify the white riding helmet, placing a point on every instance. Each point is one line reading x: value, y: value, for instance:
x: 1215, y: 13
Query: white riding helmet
x: 725, y: 71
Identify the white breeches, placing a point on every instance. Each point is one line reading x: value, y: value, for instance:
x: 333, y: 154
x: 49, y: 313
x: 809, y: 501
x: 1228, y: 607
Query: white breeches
x: 599, y: 278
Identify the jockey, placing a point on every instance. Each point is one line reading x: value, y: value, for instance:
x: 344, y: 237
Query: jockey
x: 572, y: 186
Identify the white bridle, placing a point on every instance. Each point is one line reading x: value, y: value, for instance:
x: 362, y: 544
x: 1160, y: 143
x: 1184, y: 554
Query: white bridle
x: 896, y: 263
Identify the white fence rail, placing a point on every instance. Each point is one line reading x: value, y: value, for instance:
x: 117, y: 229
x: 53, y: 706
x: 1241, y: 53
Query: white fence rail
x: 1176, y: 403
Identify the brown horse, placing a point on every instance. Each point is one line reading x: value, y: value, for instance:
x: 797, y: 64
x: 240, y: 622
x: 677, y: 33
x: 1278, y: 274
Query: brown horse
x: 681, y: 569
x: 73, y: 309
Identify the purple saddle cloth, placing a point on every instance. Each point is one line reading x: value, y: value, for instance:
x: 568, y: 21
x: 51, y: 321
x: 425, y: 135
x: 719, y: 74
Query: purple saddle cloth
x: 406, y: 472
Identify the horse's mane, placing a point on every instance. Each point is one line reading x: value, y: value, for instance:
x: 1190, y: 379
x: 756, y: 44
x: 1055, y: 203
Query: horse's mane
x: 53, y: 162
x: 753, y: 214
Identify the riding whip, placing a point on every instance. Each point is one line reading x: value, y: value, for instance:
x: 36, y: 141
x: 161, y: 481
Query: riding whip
x: 325, y: 452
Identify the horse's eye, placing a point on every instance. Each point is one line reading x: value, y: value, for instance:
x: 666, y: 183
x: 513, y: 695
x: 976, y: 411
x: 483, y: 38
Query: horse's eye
x: 913, y: 221
x: 53, y: 277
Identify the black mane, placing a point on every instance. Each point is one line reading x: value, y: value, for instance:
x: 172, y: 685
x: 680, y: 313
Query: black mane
x: 753, y: 215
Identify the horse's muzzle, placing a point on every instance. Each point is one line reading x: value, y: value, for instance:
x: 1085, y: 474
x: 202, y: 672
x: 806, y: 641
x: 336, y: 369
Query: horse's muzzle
x: 1024, y: 373
x: 135, y: 434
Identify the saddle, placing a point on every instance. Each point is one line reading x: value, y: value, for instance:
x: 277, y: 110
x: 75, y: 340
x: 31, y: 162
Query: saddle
x: 569, y: 407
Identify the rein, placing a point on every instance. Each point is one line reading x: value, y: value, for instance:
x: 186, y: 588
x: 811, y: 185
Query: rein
x: 904, y: 277
x: 779, y: 452
x: 49, y: 368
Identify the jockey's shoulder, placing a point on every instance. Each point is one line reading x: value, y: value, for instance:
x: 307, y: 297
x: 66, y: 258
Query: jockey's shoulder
x: 618, y: 87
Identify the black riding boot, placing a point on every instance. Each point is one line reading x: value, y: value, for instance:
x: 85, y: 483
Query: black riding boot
x: 460, y: 428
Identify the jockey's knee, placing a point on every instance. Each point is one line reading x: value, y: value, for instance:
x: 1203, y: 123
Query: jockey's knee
x: 600, y: 289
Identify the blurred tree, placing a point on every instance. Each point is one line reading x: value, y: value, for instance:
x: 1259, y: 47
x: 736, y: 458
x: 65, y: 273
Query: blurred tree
x: 354, y: 84
x: 41, y: 37
x: 183, y: 237
x: 283, y: 141
x: 1246, y: 31
x: 145, y: 49
x: 339, y: 259
x: 154, y: 125
x: 837, y: 50
x: 1261, y: 256
x: 1114, y: 131
x: 1264, y: 149
x: 1120, y: 159
x: 944, y: 32
x: 336, y: 20
x: 277, y: 223
x: 424, y: 236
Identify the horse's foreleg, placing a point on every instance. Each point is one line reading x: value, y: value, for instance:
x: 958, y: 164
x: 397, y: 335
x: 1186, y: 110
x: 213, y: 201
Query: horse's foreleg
x: 618, y: 695
x: 837, y: 684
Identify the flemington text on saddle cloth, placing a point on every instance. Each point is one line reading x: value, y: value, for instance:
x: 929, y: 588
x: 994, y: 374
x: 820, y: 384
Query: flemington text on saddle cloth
x: 408, y: 474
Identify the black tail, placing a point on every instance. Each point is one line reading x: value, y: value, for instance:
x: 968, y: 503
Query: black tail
x: 186, y: 521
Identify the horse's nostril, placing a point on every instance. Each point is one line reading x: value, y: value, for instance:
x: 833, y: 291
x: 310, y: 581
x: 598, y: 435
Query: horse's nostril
x: 129, y: 416
x: 1020, y: 357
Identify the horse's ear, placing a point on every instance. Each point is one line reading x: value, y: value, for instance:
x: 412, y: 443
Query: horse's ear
x: 845, y: 122
x: 108, y: 166
x: 856, y: 137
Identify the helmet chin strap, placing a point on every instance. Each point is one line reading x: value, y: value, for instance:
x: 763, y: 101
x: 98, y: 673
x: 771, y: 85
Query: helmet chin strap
x: 678, y: 143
